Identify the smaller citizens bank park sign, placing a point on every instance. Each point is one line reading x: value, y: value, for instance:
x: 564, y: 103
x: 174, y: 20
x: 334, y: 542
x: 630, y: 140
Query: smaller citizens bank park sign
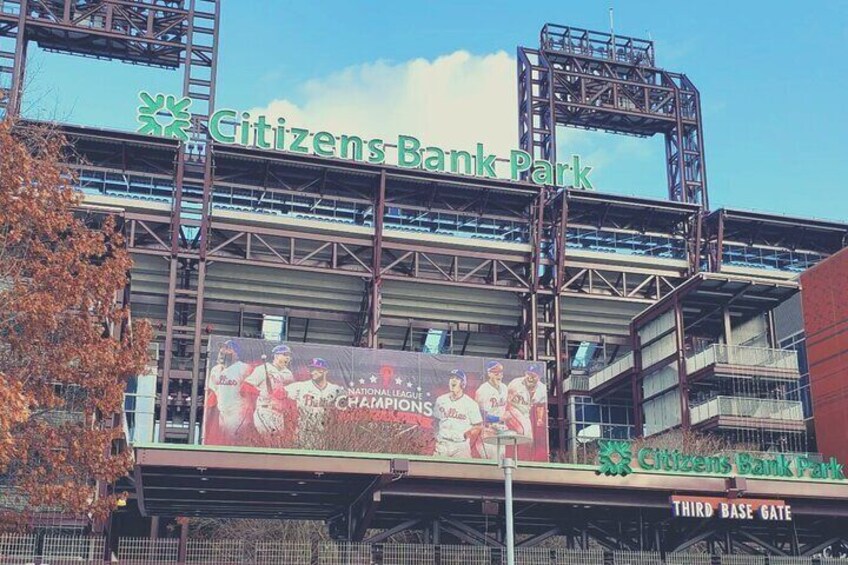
x: 169, y: 116
x: 304, y: 396
x: 618, y: 458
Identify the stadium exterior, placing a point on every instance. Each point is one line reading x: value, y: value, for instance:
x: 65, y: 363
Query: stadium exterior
x: 650, y: 315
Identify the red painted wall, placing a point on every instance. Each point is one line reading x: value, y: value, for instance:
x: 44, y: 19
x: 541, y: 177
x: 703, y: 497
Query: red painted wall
x: 824, y: 295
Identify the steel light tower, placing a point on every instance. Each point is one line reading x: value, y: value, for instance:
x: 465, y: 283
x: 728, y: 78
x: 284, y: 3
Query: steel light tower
x: 600, y: 81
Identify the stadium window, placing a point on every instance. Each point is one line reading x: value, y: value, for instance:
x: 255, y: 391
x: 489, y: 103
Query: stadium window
x: 592, y: 413
x: 274, y: 327
x: 434, y: 341
x: 584, y: 355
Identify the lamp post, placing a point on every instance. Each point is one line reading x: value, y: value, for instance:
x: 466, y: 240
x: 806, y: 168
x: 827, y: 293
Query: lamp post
x: 504, y: 439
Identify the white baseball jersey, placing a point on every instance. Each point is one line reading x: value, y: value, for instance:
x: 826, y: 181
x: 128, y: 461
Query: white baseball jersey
x: 522, y: 398
x: 264, y: 374
x: 312, y: 403
x: 453, y: 449
x: 225, y: 383
x: 268, y: 417
x: 312, y: 399
x: 456, y: 416
x: 492, y: 400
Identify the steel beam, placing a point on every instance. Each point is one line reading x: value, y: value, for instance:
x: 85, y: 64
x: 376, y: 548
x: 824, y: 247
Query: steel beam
x: 386, y: 534
x: 376, y: 263
x: 468, y: 533
x: 539, y: 538
x: 18, y: 71
x: 683, y: 385
x: 579, y: 88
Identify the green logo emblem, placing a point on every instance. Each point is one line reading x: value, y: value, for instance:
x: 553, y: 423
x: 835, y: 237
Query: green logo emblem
x: 614, y: 457
x: 164, y: 115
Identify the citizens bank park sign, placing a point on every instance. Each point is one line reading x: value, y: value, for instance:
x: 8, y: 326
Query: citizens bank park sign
x: 169, y: 116
x: 617, y: 458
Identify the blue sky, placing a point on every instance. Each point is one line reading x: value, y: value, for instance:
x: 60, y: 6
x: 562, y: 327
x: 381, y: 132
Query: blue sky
x: 772, y: 77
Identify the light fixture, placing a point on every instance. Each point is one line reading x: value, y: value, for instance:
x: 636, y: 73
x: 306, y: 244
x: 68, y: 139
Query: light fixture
x: 505, y: 439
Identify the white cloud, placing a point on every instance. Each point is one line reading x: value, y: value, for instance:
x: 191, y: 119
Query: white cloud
x: 453, y: 101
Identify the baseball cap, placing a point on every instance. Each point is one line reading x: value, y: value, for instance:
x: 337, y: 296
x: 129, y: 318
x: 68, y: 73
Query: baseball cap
x: 460, y: 374
x: 494, y: 367
x: 536, y: 369
x: 318, y: 363
x: 232, y: 344
x: 281, y: 350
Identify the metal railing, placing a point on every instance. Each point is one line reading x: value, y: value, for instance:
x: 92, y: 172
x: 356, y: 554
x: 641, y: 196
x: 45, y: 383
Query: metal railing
x: 142, y: 550
x: 611, y: 371
x: 741, y: 407
x: 597, y: 44
x: 607, y: 241
x: 783, y: 360
x: 27, y: 549
x: 743, y: 560
x: 772, y: 259
x: 688, y: 559
x: 67, y: 549
x: 578, y: 383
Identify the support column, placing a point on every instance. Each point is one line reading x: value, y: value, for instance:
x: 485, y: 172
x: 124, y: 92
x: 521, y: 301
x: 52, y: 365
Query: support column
x: 194, y: 168
x: 681, y: 365
x: 198, y: 336
x: 771, y: 330
x: 728, y: 330
x: 169, y: 342
x: 18, y: 71
x: 562, y: 365
x: 719, y: 243
x: 636, y: 393
x: 572, y: 427
x: 536, y: 234
x: 705, y: 195
x: 377, y: 264
x: 182, y: 548
x: 680, y: 155
x: 436, y: 532
x: 693, y: 243
x: 205, y: 228
x: 636, y: 383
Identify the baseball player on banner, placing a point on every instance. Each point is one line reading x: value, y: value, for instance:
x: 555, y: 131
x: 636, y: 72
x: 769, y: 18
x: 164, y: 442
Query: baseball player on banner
x: 528, y: 398
x: 491, y: 396
x: 313, y: 398
x: 224, y: 384
x: 459, y: 419
x: 266, y: 385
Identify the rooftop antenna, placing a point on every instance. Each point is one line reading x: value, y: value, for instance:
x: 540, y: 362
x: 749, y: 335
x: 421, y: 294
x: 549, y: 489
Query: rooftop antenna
x: 652, y: 50
x: 612, y: 33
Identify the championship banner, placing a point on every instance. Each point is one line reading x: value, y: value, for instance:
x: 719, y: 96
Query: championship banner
x: 318, y: 397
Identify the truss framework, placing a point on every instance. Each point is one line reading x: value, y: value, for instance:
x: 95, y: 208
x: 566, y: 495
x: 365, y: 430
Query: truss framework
x: 538, y: 263
x: 591, y: 80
